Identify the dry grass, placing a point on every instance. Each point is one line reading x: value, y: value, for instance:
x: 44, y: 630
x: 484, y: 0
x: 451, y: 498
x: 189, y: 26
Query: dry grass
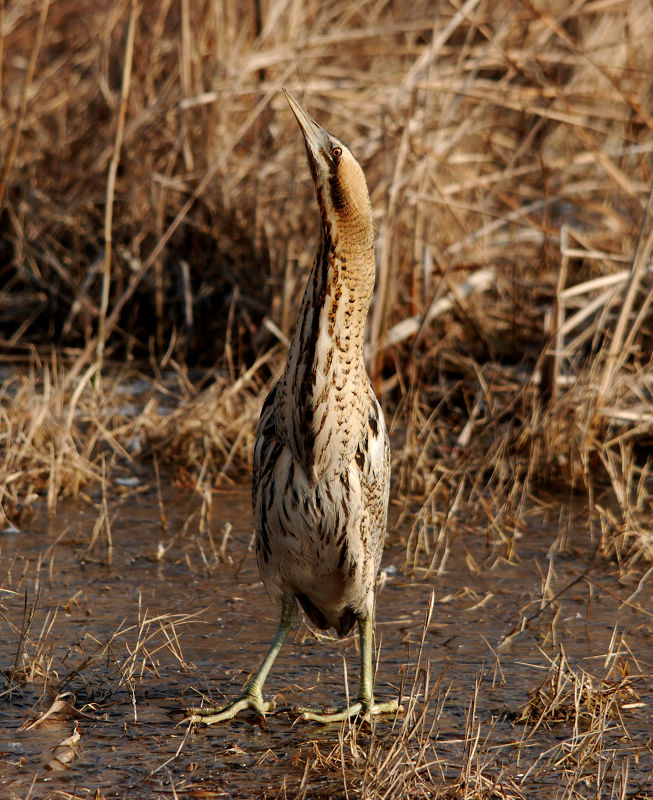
x: 154, y: 199
x: 591, y: 710
x: 102, y: 671
x: 93, y: 670
x: 573, y: 695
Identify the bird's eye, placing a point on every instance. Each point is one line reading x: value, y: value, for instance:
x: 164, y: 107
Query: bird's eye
x: 336, y: 152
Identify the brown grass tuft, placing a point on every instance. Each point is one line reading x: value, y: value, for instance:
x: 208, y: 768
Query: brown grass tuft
x: 574, y: 696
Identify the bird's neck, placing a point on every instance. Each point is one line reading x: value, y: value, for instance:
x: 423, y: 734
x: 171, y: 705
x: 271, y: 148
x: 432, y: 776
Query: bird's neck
x: 323, y: 402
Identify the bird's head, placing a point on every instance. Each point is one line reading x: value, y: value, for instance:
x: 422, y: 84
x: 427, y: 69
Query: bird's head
x: 339, y: 179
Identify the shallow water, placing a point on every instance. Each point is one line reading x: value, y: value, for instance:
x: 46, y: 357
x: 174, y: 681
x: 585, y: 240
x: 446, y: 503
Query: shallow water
x: 123, y: 646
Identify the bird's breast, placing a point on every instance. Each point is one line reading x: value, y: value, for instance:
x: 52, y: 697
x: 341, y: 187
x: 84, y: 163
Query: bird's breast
x: 321, y: 537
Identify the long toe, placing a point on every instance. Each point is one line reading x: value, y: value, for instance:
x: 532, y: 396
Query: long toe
x: 212, y: 716
x: 357, y: 710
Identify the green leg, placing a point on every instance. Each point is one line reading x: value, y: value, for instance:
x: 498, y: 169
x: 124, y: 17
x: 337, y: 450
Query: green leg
x: 366, y: 637
x: 252, y: 696
x: 365, y: 705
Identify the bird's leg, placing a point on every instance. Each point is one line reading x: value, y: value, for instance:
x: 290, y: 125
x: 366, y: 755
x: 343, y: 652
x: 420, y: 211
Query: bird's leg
x: 365, y: 706
x: 252, y: 696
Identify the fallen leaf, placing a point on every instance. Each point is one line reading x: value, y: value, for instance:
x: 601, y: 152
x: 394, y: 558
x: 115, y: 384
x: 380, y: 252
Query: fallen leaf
x: 60, y: 709
x: 65, y: 751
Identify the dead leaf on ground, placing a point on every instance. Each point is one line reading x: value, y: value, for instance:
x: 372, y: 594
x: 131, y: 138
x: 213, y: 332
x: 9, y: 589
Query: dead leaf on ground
x: 64, y: 753
x: 60, y: 709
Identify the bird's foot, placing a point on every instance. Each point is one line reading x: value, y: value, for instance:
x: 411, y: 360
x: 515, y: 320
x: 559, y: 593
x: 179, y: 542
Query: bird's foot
x: 360, y: 710
x: 212, y: 716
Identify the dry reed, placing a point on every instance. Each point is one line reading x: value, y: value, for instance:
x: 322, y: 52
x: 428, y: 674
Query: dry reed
x: 156, y: 206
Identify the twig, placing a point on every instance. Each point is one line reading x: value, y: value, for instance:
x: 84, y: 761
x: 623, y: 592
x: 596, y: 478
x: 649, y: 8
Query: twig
x: 111, y: 186
x: 617, y: 354
x: 20, y: 119
x: 477, y: 282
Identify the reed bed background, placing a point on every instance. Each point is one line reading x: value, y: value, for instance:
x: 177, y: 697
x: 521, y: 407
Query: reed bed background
x: 157, y: 227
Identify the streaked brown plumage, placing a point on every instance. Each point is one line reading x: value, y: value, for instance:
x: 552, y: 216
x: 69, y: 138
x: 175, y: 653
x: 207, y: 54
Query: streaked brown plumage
x: 322, y: 458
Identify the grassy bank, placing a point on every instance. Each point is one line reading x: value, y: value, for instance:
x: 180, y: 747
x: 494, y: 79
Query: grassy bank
x: 158, y: 223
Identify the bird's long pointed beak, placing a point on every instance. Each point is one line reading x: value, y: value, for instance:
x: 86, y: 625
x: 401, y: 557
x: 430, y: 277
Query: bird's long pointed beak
x: 315, y: 135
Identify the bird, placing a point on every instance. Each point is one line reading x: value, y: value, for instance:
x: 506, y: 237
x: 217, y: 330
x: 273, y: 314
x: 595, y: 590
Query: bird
x: 321, y: 467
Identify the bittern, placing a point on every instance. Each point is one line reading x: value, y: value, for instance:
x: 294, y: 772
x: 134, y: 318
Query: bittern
x: 321, y: 472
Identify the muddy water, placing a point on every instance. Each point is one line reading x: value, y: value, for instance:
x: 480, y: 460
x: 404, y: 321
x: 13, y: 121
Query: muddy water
x: 131, y: 633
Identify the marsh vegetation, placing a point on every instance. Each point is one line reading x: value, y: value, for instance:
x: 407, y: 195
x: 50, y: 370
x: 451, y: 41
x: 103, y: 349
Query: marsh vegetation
x: 156, y: 230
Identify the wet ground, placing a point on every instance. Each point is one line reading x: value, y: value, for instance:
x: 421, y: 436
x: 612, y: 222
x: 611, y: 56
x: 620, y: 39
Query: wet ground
x: 132, y: 614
